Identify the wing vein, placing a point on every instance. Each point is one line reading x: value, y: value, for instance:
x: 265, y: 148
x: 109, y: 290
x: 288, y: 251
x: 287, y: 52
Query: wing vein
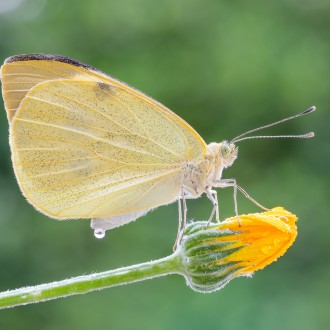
x: 57, y: 161
x: 47, y: 137
x: 52, y: 71
x: 140, y: 123
x: 16, y: 90
x: 90, y: 136
x: 58, y: 172
x: 120, y: 189
x: 24, y: 74
x: 132, y: 201
x: 89, y: 107
x: 162, y: 112
x: 63, y: 183
x: 70, y: 120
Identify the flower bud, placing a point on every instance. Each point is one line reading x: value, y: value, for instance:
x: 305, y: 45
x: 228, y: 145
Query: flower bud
x: 215, y: 254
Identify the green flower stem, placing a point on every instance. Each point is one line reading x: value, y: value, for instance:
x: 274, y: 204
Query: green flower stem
x: 87, y: 283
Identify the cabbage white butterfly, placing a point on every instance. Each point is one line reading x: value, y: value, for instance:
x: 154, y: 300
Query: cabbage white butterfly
x: 86, y: 145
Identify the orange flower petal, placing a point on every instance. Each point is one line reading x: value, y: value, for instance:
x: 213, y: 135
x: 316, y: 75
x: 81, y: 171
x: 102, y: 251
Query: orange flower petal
x: 264, y: 236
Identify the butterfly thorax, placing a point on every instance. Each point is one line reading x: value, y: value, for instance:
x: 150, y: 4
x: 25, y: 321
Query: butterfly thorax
x: 198, y: 177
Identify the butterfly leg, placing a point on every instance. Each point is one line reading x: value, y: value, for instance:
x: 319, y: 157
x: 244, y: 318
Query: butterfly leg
x: 224, y: 183
x: 250, y: 198
x: 178, y: 235
x: 185, y: 210
x: 180, y: 214
x: 213, y: 197
x: 180, y: 226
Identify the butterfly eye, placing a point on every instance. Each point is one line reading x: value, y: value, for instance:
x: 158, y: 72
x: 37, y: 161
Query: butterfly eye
x: 225, y: 151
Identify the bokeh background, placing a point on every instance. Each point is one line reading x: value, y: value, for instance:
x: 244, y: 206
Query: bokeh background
x: 225, y: 67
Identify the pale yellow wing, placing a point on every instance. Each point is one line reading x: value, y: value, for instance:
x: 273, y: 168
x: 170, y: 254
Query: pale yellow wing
x: 22, y: 72
x: 92, y: 149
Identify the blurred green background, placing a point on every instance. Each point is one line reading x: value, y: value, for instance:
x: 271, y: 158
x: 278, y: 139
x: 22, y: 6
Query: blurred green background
x: 225, y: 67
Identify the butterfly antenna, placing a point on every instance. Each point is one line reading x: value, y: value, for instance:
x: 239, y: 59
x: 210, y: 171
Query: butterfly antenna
x: 303, y: 136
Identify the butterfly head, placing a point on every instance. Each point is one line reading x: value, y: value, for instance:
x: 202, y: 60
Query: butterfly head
x: 228, y: 153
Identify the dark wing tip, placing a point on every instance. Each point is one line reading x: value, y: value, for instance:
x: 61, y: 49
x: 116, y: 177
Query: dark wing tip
x: 48, y: 57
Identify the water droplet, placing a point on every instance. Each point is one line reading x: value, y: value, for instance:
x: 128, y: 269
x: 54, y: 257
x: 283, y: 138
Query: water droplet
x: 266, y: 249
x: 283, y: 218
x: 277, y: 242
x: 99, y: 233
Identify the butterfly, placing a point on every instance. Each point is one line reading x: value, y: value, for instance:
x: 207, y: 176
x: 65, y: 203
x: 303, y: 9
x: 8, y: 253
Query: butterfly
x: 86, y: 145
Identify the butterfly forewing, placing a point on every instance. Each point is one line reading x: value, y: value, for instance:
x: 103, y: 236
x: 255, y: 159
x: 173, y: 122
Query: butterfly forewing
x: 19, y: 76
x: 21, y: 73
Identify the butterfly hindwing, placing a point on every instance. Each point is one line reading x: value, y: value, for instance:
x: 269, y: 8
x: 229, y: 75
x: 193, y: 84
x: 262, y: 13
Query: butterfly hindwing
x: 86, y: 149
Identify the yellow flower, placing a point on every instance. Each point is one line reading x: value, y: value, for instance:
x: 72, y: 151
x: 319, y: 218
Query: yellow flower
x: 216, y: 254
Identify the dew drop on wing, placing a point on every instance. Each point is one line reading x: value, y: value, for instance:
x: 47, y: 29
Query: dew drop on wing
x: 99, y: 233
